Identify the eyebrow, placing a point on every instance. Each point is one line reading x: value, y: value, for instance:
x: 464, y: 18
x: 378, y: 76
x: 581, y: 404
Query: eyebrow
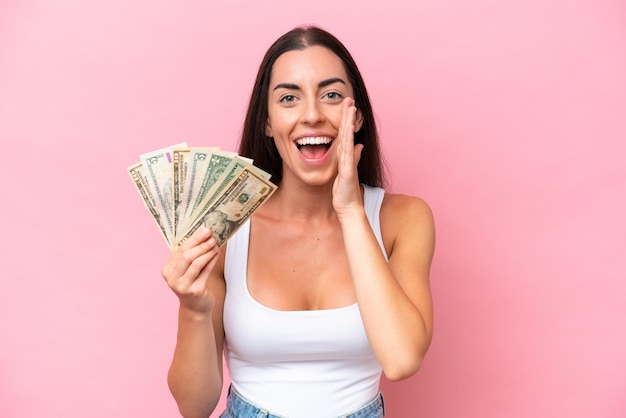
x: 321, y: 84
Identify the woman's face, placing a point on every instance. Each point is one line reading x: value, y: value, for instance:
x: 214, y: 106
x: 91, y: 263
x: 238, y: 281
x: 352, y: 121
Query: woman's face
x: 306, y: 90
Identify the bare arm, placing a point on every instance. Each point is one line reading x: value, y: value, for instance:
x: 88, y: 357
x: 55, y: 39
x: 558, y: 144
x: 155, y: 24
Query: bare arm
x: 394, y: 297
x: 195, y: 274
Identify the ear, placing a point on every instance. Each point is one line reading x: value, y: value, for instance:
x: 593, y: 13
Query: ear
x: 268, y: 129
x: 358, y: 122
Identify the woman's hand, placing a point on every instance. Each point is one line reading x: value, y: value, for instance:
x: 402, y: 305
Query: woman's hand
x: 187, y: 271
x: 346, y: 189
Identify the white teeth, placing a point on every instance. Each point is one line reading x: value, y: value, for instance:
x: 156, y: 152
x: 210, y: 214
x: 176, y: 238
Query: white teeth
x: 316, y: 140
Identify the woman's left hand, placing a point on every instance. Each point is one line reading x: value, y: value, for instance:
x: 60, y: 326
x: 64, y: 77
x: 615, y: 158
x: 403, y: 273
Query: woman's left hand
x: 346, y: 189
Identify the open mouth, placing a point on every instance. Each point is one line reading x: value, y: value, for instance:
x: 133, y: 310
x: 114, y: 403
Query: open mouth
x: 314, y: 147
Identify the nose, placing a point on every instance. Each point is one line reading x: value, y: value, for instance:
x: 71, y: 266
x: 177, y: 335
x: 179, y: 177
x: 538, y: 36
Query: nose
x: 312, y: 113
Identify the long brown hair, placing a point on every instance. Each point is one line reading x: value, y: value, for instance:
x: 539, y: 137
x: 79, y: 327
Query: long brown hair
x: 254, y: 144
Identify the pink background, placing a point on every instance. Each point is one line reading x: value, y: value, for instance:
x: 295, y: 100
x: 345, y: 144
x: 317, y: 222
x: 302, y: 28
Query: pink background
x: 508, y: 117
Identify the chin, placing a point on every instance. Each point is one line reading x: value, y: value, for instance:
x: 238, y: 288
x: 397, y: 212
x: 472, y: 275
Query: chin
x: 319, y: 178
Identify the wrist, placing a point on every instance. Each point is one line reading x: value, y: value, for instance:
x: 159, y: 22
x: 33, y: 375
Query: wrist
x: 354, y: 216
x: 188, y: 314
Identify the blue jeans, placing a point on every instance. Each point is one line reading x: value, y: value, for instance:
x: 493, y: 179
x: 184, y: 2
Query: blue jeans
x: 238, y: 407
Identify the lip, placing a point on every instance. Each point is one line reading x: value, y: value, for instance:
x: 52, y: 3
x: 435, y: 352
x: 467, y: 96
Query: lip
x: 323, y: 158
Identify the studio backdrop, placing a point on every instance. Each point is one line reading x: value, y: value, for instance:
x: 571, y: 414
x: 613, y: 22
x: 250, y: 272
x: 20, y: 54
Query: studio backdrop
x: 508, y: 118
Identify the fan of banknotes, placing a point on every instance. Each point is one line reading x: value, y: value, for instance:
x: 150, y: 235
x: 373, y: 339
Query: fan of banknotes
x: 185, y: 188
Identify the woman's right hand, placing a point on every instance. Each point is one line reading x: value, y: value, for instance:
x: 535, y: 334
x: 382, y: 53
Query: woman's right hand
x: 188, y: 269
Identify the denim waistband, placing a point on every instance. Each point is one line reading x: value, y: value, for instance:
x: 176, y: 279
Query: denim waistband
x: 238, y: 407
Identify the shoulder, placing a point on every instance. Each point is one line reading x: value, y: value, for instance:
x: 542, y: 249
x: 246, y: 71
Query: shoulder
x: 400, y: 208
x: 398, y: 204
x: 407, y: 221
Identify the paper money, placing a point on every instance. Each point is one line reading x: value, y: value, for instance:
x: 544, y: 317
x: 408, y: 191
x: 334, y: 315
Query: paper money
x: 240, y: 198
x: 200, y: 162
x: 184, y: 188
x: 157, y: 166
x: 194, y: 161
x: 141, y: 184
x: 234, y: 168
x: 180, y: 157
x: 216, y: 165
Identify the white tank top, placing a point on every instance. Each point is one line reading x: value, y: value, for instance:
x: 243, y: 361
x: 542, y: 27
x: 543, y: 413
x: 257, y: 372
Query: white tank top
x: 297, y: 364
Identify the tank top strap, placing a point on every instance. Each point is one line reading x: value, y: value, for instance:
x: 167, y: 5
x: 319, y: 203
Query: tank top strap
x: 237, y: 249
x: 372, y: 202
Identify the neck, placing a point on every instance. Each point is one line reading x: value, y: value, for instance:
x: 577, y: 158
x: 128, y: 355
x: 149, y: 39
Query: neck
x: 300, y: 201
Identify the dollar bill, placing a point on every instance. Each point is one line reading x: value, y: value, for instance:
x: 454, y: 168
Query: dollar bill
x: 138, y: 177
x: 158, y: 167
x: 239, y: 199
x: 183, y: 183
x: 200, y: 160
x: 234, y: 168
x: 215, y: 166
x: 180, y: 156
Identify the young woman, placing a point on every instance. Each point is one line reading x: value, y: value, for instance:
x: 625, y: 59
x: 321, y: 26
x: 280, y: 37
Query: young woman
x: 327, y: 286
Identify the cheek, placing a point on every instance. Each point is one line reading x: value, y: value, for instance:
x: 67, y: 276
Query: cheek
x: 333, y: 114
x: 281, y: 126
x: 282, y: 147
x: 280, y: 123
x: 336, y: 120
